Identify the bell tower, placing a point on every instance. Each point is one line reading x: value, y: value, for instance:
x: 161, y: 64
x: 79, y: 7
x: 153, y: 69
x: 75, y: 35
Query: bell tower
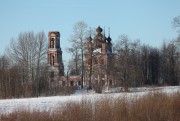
x: 54, y: 57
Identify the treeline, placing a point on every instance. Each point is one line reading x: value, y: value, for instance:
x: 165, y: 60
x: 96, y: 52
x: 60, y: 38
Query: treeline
x: 138, y: 65
x: 23, y: 70
x: 23, y: 66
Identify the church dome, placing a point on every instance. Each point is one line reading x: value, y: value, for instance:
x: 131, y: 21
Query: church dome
x: 99, y: 29
x: 89, y: 39
x: 109, y: 39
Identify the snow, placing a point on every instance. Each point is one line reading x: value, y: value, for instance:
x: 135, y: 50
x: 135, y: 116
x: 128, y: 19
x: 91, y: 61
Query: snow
x: 51, y: 103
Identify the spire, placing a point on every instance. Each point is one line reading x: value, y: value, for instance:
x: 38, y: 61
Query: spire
x: 109, y: 32
x: 90, y: 31
x: 90, y: 38
x: 104, y: 36
x: 104, y: 31
x: 109, y: 38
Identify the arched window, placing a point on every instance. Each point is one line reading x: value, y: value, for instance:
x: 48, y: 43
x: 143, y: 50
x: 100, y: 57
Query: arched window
x: 52, y: 43
x: 58, y: 43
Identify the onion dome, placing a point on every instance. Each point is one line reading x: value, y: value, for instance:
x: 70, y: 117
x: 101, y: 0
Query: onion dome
x: 109, y: 39
x: 99, y: 29
x: 89, y: 39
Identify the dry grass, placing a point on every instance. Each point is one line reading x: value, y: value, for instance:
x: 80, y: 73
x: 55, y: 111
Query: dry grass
x: 152, y: 107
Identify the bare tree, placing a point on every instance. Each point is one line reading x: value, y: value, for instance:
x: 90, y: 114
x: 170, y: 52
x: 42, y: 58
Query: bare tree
x: 169, y: 64
x: 9, y: 79
x: 29, y: 51
x: 127, y: 58
x: 153, y: 66
x: 78, y: 41
x: 176, y: 23
x: 4, y: 82
x: 41, y: 48
x: 144, y: 63
x: 19, y: 51
x: 122, y: 51
x: 75, y: 51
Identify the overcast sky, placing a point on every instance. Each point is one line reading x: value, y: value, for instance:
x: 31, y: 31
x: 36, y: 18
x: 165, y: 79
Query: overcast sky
x: 147, y: 20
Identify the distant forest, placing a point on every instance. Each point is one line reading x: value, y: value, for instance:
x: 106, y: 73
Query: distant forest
x: 23, y: 70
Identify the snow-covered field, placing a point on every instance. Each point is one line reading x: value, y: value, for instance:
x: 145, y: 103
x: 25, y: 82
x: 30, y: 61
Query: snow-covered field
x: 51, y: 103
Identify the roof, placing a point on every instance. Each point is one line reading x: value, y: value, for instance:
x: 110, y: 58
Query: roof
x: 54, y: 32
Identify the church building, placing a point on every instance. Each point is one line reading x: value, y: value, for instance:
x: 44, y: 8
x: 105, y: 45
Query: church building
x: 54, y: 58
x: 97, y: 62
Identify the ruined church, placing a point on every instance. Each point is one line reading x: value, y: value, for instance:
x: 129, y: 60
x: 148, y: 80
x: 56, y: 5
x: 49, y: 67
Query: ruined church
x: 97, y: 61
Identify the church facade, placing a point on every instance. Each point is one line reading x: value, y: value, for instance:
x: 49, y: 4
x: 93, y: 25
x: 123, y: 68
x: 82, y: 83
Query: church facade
x: 97, y: 62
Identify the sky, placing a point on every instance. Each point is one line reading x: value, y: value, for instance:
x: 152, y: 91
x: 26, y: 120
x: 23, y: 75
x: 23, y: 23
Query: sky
x: 147, y: 20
